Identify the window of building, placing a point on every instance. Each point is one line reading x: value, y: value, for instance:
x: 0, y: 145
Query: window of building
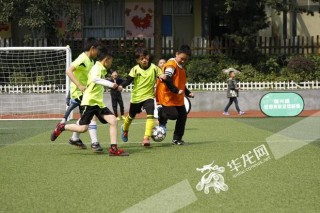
x: 173, y: 9
x: 103, y: 20
x: 309, y: 5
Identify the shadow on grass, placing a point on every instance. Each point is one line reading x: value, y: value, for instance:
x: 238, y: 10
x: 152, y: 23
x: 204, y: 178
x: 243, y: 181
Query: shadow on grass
x: 133, y: 148
x: 316, y: 143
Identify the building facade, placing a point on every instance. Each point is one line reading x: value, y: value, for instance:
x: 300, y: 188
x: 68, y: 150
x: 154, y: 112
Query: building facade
x: 183, y: 21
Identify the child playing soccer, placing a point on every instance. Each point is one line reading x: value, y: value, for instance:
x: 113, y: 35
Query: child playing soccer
x: 170, y: 94
x: 78, y: 74
x: 94, y: 106
x: 143, y: 76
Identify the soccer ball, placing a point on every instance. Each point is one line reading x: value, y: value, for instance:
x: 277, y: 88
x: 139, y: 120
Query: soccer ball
x: 158, y: 133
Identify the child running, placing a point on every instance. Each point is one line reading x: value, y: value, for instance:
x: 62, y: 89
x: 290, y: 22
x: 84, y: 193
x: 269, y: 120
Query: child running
x: 78, y: 74
x: 143, y: 76
x: 94, y: 106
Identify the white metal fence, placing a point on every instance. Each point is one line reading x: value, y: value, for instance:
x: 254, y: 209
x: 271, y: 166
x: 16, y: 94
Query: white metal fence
x: 19, y: 89
x: 216, y: 86
x: 281, y: 85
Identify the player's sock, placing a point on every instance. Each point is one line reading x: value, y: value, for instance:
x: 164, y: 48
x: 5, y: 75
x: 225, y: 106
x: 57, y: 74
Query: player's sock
x: 127, y: 123
x: 75, y: 136
x: 149, y: 126
x: 93, y: 131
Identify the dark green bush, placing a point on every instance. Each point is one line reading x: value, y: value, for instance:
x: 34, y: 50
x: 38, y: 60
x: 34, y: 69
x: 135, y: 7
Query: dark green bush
x: 208, y: 68
x: 315, y: 58
x: 249, y: 73
x: 123, y: 65
x: 302, y: 66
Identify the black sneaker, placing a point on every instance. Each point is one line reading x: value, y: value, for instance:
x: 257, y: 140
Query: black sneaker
x: 96, y: 147
x: 77, y: 143
x: 178, y: 142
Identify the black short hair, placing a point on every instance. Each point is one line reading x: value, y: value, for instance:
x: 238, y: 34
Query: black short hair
x: 141, y: 51
x: 185, y: 49
x: 91, y: 42
x: 231, y: 72
x: 103, y: 52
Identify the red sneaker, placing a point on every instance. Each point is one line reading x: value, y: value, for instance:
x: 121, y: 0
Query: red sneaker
x: 117, y: 152
x: 146, y: 142
x: 57, y: 131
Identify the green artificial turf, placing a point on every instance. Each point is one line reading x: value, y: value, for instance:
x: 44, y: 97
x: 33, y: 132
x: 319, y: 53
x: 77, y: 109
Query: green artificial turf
x: 38, y: 175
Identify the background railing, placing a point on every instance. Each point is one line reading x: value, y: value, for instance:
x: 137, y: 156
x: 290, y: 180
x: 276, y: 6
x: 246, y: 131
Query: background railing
x: 212, y: 86
x: 199, y: 45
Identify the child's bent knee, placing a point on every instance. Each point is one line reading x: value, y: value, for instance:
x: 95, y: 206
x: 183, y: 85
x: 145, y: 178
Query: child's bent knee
x: 83, y: 128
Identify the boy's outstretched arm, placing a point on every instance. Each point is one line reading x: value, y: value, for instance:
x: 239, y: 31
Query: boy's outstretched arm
x: 104, y: 82
x: 125, y: 83
x: 128, y: 81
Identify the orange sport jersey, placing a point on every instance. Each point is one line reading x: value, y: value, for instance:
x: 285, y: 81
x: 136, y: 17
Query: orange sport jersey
x: 163, y: 95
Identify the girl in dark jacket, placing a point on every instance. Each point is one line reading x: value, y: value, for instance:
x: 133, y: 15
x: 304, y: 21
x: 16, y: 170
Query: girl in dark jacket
x: 232, y: 94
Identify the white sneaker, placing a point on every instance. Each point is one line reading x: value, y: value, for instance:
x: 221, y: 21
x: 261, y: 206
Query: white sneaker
x: 241, y: 113
x: 226, y: 113
x: 118, y: 118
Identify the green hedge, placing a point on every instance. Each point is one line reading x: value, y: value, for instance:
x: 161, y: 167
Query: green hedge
x: 273, y: 68
x: 267, y: 68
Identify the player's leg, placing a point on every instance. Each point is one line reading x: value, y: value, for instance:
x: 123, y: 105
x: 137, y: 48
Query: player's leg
x: 68, y: 127
x: 76, y: 127
x: 114, y: 104
x: 93, y: 130
x: 166, y: 113
x: 133, y: 110
x: 225, y: 111
x: 75, y: 138
x: 88, y: 116
x: 162, y: 117
x: 106, y: 116
x: 237, y: 106
x: 81, y: 126
x: 120, y: 101
x: 73, y: 104
x: 180, y: 126
x: 148, y: 105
